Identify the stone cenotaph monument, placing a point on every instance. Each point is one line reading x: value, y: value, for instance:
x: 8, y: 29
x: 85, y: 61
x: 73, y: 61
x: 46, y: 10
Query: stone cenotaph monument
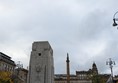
x: 41, y: 68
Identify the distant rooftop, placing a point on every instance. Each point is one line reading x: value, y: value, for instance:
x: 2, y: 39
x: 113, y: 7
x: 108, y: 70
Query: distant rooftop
x: 4, y: 55
x: 6, y: 58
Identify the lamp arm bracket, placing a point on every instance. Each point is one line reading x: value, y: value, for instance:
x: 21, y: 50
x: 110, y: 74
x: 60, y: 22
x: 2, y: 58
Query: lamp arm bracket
x: 116, y: 19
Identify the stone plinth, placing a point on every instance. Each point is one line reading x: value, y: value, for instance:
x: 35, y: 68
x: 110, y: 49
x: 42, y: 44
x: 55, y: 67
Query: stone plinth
x: 41, y: 68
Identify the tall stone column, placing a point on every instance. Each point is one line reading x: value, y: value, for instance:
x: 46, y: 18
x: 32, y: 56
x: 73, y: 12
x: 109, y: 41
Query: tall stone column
x: 68, y: 69
x: 41, y: 68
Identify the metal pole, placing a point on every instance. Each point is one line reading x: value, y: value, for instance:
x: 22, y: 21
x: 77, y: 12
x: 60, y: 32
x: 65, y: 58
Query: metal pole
x: 111, y: 63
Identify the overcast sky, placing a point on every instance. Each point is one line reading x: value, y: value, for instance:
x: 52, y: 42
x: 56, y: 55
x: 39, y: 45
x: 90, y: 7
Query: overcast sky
x: 83, y: 28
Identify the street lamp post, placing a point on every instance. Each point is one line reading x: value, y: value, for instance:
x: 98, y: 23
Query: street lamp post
x: 111, y: 63
x: 115, y: 19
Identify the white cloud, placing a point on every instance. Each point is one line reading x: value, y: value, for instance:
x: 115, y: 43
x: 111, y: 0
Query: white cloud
x: 82, y: 28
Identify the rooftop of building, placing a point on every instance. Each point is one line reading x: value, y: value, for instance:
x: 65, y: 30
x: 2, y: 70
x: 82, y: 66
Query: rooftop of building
x: 6, y: 58
x: 4, y: 55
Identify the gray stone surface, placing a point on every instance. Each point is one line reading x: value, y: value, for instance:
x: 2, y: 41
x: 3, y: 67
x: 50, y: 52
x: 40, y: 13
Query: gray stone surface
x: 41, y: 68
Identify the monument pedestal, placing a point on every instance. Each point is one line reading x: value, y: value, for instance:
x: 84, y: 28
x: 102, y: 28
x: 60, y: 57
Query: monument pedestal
x: 41, y: 68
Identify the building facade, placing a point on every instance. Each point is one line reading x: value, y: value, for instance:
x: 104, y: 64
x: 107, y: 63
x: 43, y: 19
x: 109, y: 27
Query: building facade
x: 6, y: 64
x: 90, y: 76
x: 21, y: 75
x: 79, y: 77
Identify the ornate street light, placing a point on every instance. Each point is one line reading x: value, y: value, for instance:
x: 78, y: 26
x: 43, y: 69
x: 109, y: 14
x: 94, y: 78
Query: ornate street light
x: 115, y: 19
x: 111, y: 63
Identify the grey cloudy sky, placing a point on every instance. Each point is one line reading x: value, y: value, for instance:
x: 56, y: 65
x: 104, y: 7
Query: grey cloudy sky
x: 83, y: 28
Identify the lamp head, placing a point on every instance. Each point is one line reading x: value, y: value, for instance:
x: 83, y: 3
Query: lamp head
x: 114, y: 22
